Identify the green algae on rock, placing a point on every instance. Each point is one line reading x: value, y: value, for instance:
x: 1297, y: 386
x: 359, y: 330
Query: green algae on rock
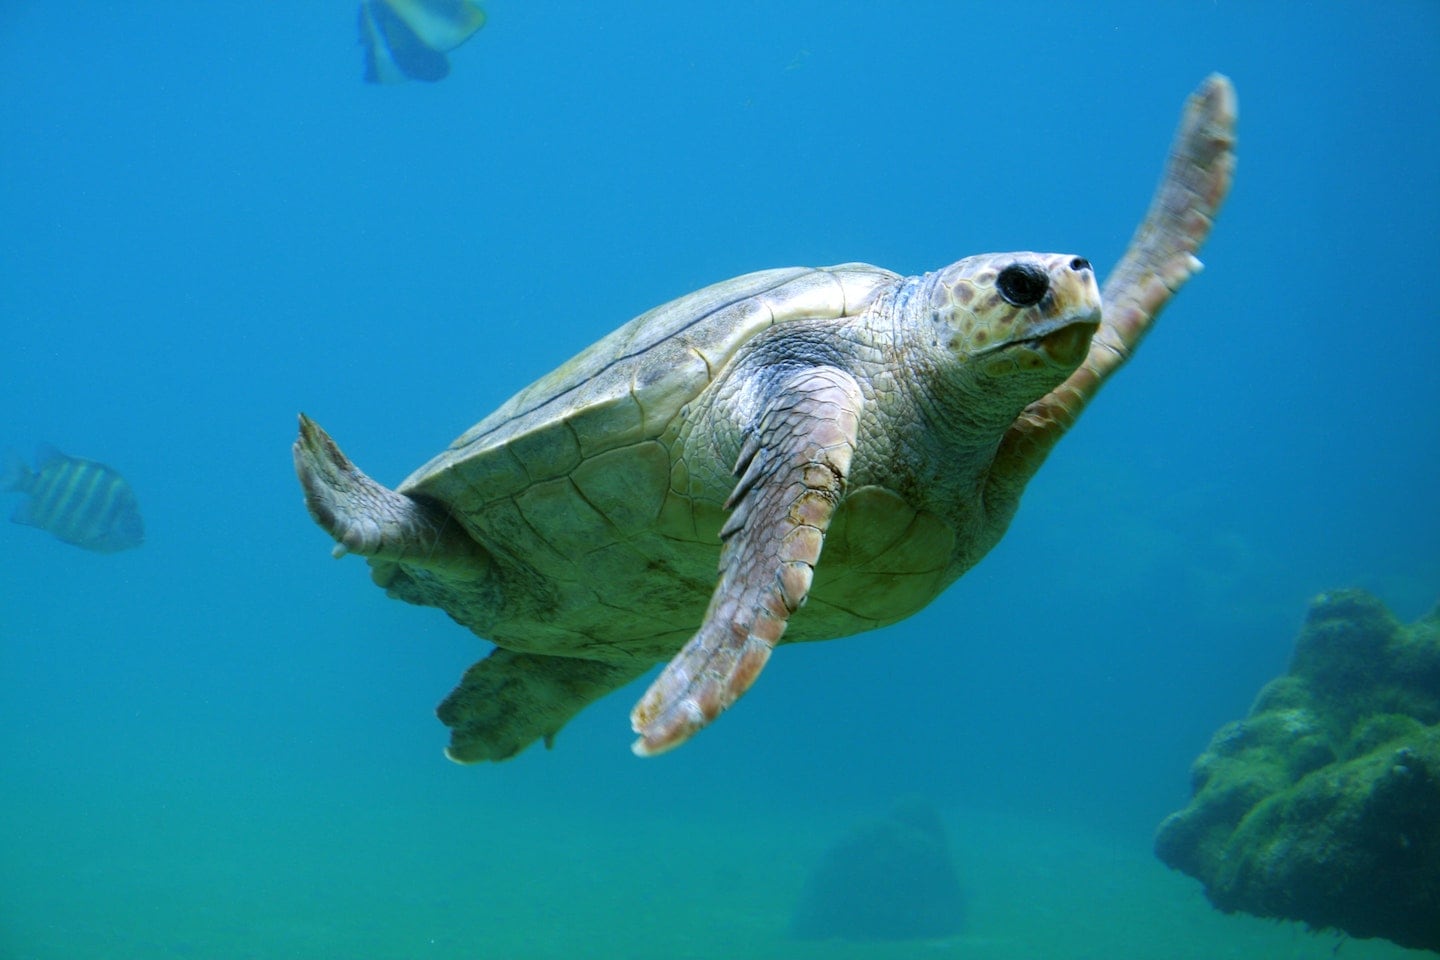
x: 1323, y: 805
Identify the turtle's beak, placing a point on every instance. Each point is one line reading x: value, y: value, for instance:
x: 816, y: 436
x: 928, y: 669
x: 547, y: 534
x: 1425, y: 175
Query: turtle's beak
x: 1067, y: 344
x: 1063, y: 341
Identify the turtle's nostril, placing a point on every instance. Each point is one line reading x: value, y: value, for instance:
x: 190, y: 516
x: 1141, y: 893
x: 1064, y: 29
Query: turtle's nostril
x: 1079, y: 264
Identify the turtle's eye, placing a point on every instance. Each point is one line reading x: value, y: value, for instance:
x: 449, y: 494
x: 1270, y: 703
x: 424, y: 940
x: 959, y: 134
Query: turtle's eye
x: 1022, y: 284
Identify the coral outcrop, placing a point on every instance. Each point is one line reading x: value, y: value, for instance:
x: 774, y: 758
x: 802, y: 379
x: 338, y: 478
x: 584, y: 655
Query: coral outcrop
x: 1323, y: 805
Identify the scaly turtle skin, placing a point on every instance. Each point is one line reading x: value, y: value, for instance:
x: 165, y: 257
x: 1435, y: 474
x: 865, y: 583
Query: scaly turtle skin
x: 893, y: 421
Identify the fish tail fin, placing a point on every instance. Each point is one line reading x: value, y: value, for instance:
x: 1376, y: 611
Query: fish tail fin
x: 16, y: 474
x: 441, y: 25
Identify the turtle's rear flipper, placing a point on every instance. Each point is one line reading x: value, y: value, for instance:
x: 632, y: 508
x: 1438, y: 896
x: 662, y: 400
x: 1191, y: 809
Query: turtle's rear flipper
x: 792, y: 474
x: 509, y: 700
x: 367, y: 518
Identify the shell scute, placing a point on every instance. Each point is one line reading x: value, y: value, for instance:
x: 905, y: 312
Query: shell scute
x: 546, y: 453
x: 501, y: 475
x: 564, y: 519
x: 626, y: 484
x: 884, y: 559
x: 612, y: 421
x: 506, y: 524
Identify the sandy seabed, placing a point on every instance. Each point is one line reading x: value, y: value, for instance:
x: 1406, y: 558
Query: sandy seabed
x: 169, y: 875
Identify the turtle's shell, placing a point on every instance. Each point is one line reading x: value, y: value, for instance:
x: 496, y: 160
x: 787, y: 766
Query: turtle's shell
x: 599, y: 407
x: 602, y: 538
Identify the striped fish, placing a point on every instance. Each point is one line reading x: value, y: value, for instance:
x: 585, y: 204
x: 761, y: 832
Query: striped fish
x: 80, y: 501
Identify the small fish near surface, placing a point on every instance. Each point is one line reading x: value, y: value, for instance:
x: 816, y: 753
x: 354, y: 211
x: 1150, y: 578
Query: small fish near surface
x: 408, y: 39
x: 82, y: 502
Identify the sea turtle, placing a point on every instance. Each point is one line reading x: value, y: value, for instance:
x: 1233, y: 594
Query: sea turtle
x: 893, y: 421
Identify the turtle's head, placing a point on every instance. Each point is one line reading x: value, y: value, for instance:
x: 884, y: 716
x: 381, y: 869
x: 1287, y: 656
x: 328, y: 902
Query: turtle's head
x: 997, y: 332
x: 1017, y: 315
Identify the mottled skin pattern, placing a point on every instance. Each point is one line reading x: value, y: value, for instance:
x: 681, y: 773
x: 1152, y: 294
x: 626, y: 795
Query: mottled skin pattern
x: 845, y: 439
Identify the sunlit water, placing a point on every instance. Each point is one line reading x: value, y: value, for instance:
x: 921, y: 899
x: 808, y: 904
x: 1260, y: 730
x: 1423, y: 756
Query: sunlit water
x: 221, y: 745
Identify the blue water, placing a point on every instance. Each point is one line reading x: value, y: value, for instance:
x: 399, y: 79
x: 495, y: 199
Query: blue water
x: 221, y: 745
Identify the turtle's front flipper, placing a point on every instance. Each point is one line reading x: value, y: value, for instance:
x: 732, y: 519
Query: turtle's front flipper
x: 369, y: 519
x: 792, y: 474
x: 1160, y: 258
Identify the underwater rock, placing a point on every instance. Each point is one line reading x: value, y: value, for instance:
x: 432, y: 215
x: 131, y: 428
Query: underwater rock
x: 1323, y: 805
x: 888, y: 880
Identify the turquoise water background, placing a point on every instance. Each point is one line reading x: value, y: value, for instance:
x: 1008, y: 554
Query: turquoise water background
x: 222, y: 746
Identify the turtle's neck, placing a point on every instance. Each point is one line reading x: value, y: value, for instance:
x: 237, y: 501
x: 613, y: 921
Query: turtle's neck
x: 944, y: 416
